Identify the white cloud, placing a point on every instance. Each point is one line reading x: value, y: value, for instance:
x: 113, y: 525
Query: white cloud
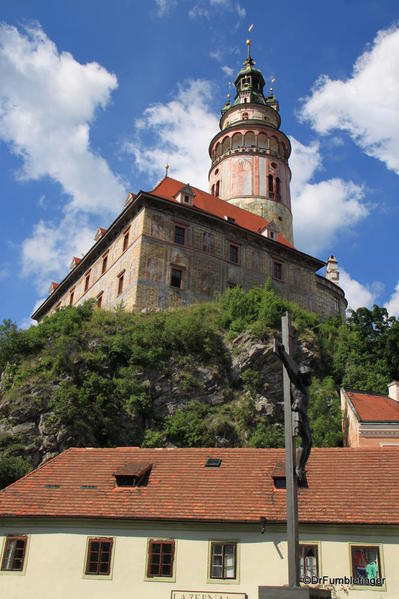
x: 165, y: 6
x: 48, y: 101
x: 241, y: 11
x: 28, y: 322
x: 321, y: 209
x: 227, y: 71
x: 198, y: 11
x: 366, y: 104
x: 357, y: 294
x: 4, y: 272
x: 182, y: 129
x: 392, y: 304
x: 49, y: 249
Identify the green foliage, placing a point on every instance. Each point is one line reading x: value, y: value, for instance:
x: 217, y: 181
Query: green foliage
x: 12, y: 468
x: 98, y: 368
x: 267, y: 435
x: 189, y: 426
x: 325, y: 413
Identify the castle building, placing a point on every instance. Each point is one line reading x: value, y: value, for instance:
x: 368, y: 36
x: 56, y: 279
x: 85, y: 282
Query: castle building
x: 177, y: 245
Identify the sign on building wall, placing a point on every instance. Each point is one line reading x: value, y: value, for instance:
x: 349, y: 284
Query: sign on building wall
x: 206, y: 595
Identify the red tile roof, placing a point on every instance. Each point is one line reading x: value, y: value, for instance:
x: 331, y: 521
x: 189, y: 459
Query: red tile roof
x: 168, y: 188
x: 346, y: 485
x: 374, y: 408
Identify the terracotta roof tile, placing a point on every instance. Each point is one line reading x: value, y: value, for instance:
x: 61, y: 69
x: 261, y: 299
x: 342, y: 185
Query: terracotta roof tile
x: 168, y: 188
x: 240, y: 490
x: 374, y: 408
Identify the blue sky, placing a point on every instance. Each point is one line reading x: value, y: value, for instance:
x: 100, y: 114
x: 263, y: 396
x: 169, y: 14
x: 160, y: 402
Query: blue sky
x: 96, y: 96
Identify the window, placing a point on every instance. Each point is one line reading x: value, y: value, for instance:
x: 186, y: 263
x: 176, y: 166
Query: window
x: 366, y: 564
x: 160, y: 558
x: 217, y: 189
x: 234, y: 253
x: 100, y: 299
x: 223, y: 560
x: 125, y: 240
x: 308, y: 560
x: 104, y: 265
x: 99, y: 553
x: 120, y: 282
x: 87, y: 281
x: 176, y: 278
x: 187, y: 199
x: 14, y: 554
x: 277, y: 271
x: 180, y: 234
x: 278, y: 191
x: 336, y: 304
x: 270, y: 185
x: 71, y: 294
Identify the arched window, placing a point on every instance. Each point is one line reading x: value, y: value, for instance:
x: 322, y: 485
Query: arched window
x: 249, y: 139
x: 218, y: 150
x: 237, y: 141
x: 278, y: 191
x: 270, y: 184
x: 213, y: 190
x: 262, y: 141
x: 226, y: 144
x: 273, y: 145
x: 217, y: 189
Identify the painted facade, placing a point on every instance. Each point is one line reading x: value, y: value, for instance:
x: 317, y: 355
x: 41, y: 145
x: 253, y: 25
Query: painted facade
x: 152, y: 251
x: 162, y: 254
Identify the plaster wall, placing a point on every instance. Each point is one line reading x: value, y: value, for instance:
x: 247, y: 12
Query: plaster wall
x: 55, y: 560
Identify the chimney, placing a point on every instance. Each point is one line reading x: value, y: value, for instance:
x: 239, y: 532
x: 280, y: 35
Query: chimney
x: 332, y: 272
x: 393, y: 390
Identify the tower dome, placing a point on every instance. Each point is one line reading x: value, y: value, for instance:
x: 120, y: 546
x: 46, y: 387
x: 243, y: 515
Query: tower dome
x: 250, y: 154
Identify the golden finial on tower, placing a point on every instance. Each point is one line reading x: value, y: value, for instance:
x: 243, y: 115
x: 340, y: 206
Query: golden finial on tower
x: 272, y: 80
x: 166, y: 169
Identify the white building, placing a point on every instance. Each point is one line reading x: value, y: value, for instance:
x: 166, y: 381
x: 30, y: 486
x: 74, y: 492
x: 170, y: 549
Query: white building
x: 197, y: 524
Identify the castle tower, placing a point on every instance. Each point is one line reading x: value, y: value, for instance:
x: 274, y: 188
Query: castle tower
x: 250, y: 154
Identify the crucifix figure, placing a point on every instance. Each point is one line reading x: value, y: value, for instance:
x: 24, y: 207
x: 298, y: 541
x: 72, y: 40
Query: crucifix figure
x: 300, y: 381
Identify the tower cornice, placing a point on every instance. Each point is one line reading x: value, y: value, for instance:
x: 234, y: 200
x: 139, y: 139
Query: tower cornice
x: 250, y: 124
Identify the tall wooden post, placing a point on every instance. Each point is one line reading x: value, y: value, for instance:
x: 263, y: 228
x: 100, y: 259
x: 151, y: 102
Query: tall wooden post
x: 290, y: 462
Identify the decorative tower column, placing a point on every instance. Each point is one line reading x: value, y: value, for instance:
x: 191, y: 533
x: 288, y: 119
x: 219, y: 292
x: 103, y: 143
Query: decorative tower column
x: 250, y: 154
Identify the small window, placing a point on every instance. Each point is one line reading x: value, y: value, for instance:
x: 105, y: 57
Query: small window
x: 366, y: 564
x: 160, y: 558
x: 223, y: 560
x: 104, y: 264
x: 87, y: 281
x: 100, y: 299
x: 308, y: 560
x: 244, y: 115
x: 277, y: 271
x: 99, y: 553
x: 120, y: 282
x: 278, y: 191
x: 187, y: 199
x: 180, y: 235
x: 125, y: 240
x: 176, y: 278
x: 14, y: 554
x: 336, y: 304
x: 71, y: 295
x: 213, y: 463
x: 217, y: 189
x: 234, y: 253
x: 270, y: 185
